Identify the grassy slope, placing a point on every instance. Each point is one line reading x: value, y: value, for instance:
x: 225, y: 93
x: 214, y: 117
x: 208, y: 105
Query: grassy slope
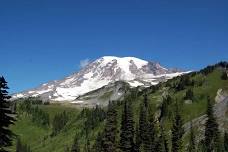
x: 38, y: 138
x: 34, y: 136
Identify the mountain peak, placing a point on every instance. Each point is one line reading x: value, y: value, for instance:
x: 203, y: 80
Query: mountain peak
x: 110, y: 58
x: 101, y: 72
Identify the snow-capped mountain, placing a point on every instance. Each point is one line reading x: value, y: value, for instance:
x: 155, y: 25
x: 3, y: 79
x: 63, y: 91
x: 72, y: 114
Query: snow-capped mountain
x: 99, y: 73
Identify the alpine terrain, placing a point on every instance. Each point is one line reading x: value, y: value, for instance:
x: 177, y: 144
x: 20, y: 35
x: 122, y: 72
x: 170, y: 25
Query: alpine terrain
x: 104, y: 71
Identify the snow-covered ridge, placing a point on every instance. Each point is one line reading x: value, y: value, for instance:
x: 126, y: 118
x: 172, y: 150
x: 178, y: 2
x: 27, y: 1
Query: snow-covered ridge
x: 101, y: 72
x: 123, y: 62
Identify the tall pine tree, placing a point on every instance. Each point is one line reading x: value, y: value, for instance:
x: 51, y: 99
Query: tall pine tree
x: 127, y: 129
x: 161, y: 141
x: 192, y: 142
x: 164, y: 140
x: 147, y: 133
x: 225, y: 141
x: 6, y: 117
x: 110, y: 131
x: 143, y: 124
x: 211, y: 129
x: 75, y: 146
x: 177, y: 131
x: 137, y: 139
x: 151, y: 135
x: 98, y: 145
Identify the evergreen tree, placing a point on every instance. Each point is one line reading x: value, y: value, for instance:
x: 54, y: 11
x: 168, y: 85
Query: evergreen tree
x: 98, y: 143
x: 164, y: 141
x: 137, y: 139
x: 18, y: 145
x: 127, y: 129
x: 146, y: 135
x: 75, y: 147
x: 145, y: 101
x: 211, y: 129
x: 189, y: 94
x: 226, y: 142
x: 142, y: 123
x: 87, y: 146
x: 201, y: 146
x: 224, y: 76
x: 6, y: 118
x: 22, y: 147
x: 59, y: 122
x: 177, y: 131
x: 110, y: 131
x: 192, y: 142
x: 66, y: 149
x: 151, y: 135
x: 159, y: 145
x: 164, y: 108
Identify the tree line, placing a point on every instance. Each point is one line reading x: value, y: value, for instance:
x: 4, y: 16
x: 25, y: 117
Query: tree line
x: 148, y: 134
x: 31, y: 109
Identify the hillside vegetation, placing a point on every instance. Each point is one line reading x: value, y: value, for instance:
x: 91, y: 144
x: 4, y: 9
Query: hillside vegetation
x: 52, y: 127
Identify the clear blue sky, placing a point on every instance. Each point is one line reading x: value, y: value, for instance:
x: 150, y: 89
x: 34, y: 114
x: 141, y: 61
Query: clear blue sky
x: 42, y: 40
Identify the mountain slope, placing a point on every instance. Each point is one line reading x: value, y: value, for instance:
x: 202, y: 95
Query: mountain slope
x: 207, y: 82
x: 99, y: 73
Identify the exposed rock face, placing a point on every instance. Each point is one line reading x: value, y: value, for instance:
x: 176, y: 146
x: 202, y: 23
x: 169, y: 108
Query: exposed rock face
x: 99, y: 73
x: 220, y: 112
x: 102, y: 96
x: 221, y: 95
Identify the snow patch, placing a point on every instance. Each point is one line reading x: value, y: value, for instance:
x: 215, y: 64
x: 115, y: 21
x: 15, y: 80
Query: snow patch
x: 135, y: 83
x: 77, y: 102
x: 20, y: 95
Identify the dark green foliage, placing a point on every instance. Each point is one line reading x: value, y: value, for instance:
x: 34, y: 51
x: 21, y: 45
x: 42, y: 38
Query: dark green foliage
x: 192, y: 142
x: 146, y: 134
x: 183, y: 82
x: 164, y: 108
x: 164, y: 141
x: 87, y: 146
x: 127, y: 129
x: 6, y: 116
x: 222, y: 64
x: 211, y: 129
x: 110, y: 130
x: 22, y: 147
x: 189, y: 95
x: 226, y: 141
x: 159, y: 145
x: 201, y: 146
x: 35, y: 100
x: 93, y: 117
x: 59, y: 121
x: 210, y: 68
x: 177, y: 131
x: 24, y: 107
x: 37, y: 115
x: 207, y: 70
x: 224, y: 76
x: 151, y: 135
x: 66, y: 149
x: 137, y: 139
x: 142, y: 124
x: 98, y: 143
x: 75, y: 146
x: 32, y: 100
x: 145, y: 101
x: 18, y: 145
